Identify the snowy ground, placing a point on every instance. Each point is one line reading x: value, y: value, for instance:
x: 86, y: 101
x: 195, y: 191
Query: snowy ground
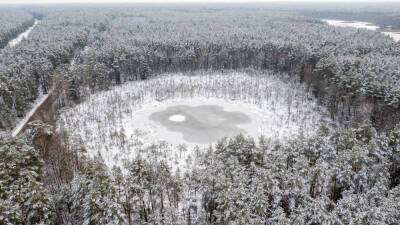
x: 119, y: 124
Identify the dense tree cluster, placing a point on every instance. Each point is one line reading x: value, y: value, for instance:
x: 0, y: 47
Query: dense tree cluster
x: 27, y: 69
x: 356, y: 63
x: 335, y: 177
x: 23, y: 197
x: 344, y: 177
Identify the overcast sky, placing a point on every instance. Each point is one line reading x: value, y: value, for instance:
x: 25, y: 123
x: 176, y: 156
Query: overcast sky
x: 168, y: 1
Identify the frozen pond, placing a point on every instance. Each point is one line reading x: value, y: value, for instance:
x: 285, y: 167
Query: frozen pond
x: 363, y: 25
x: 167, y: 118
x: 201, y: 124
x: 196, y: 121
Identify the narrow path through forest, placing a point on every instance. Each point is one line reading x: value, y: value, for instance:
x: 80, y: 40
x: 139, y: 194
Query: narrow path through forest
x: 23, y: 35
x: 23, y: 123
x: 41, y: 101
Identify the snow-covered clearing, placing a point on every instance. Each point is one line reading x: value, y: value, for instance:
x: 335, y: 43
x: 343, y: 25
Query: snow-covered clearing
x: 363, y: 25
x: 23, y: 35
x: 115, y: 124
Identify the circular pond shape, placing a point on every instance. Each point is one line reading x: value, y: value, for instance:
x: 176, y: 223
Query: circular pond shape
x: 177, y: 118
x: 144, y: 121
x: 202, y: 124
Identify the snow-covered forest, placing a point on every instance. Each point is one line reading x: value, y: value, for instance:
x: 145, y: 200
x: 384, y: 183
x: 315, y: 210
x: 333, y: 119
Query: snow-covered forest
x: 135, y: 43
x: 326, y: 148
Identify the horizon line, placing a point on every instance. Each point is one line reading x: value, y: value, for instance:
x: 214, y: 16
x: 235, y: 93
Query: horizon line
x: 109, y: 2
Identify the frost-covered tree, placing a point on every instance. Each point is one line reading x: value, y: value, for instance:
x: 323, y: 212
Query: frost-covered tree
x: 92, y: 197
x: 23, y: 198
x: 152, y: 194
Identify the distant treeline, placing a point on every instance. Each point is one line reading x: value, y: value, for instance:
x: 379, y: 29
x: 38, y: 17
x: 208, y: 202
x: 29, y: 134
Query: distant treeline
x: 384, y: 20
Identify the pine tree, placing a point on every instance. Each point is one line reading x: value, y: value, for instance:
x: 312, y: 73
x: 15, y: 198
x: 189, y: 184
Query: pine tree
x: 25, y: 199
x: 94, y: 197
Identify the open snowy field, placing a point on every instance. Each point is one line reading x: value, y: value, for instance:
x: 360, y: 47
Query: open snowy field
x: 166, y: 122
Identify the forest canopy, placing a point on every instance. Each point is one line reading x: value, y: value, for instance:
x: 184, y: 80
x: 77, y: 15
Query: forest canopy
x: 83, y: 69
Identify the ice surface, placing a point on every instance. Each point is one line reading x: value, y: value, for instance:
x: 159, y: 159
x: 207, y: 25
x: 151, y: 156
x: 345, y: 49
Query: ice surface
x: 207, y: 120
x: 177, y: 118
x: 362, y: 25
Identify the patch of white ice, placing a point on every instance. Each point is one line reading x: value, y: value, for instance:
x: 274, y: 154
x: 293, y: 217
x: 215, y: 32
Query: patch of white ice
x: 177, y: 118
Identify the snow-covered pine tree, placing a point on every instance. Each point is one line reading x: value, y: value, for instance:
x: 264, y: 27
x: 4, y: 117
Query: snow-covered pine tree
x: 24, y: 199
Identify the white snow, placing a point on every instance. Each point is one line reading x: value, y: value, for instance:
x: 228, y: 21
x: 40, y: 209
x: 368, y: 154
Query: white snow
x: 362, y: 25
x: 23, y: 35
x: 177, y: 118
